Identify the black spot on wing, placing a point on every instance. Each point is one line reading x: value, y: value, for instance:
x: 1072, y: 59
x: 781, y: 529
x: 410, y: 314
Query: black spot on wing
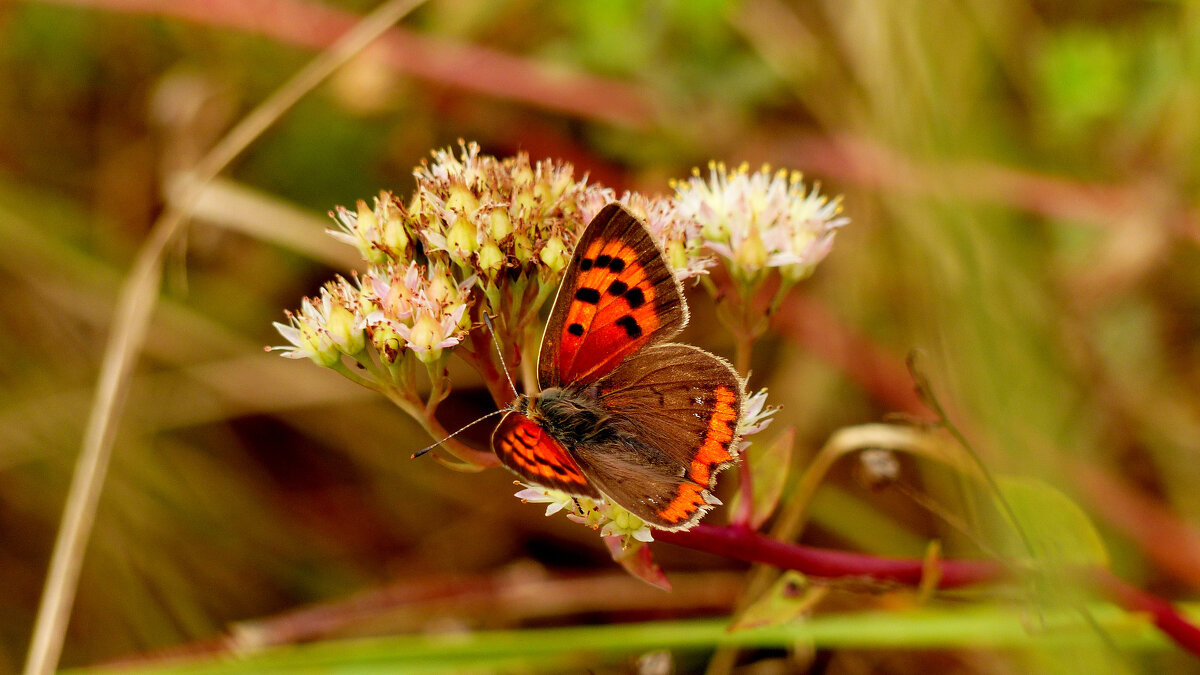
x: 617, y: 265
x: 635, y: 298
x: 617, y: 287
x: 588, y: 295
x: 603, y: 260
x: 575, y: 329
x: 585, y: 264
x: 630, y: 324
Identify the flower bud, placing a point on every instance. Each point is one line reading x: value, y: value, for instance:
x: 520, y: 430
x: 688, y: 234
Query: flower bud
x: 716, y: 229
x: 441, y: 289
x: 523, y: 176
x: 317, y: 344
x: 562, y: 181
x: 461, y: 239
x: 522, y: 247
x: 554, y: 254
x: 343, y: 330
x: 751, y: 256
x: 461, y: 199
x: 490, y: 258
x: 368, y: 224
x: 395, y: 236
x: 426, y: 334
x: 802, y: 238
x: 525, y: 202
x: 386, y: 342
x: 501, y: 224
x: 677, y: 255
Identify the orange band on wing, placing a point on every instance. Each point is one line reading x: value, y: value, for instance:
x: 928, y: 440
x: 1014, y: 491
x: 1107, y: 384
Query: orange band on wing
x: 715, y: 449
x: 688, y: 500
x: 529, y: 451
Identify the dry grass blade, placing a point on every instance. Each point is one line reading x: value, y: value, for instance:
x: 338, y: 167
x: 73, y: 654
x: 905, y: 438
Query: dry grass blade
x: 134, y: 306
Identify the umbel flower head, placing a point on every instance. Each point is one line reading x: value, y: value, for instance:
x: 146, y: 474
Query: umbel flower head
x: 760, y: 220
x: 483, y: 238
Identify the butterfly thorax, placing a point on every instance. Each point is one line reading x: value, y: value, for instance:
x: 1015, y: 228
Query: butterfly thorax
x: 571, y: 416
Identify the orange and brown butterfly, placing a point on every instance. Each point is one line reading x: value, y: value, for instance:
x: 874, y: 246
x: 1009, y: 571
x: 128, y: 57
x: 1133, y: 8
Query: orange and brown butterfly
x: 623, y: 413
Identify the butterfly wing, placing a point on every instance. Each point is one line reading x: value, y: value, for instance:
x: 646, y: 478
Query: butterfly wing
x: 678, y: 408
x: 528, y: 450
x: 618, y: 296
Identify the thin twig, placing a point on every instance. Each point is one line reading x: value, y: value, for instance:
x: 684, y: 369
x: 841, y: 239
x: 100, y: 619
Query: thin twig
x: 135, y: 304
x: 457, y: 65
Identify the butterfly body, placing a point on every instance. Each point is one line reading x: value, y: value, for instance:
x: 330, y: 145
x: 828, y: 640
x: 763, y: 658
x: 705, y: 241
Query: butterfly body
x: 622, y: 413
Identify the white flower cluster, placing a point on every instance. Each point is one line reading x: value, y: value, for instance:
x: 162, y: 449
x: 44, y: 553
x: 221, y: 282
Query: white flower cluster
x: 760, y: 220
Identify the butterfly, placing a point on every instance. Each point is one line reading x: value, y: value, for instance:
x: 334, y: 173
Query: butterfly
x: 623, y: 413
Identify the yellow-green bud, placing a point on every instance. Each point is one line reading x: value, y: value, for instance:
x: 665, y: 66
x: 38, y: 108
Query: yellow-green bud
x: 395, y: 235
x: 461, y: 239
x: 591, y: 513
x: 561, y: 184
x: 387, y: 343
x: 797, y: 272
x: 522, y: 247
x: 624, y: 520
x: 751, y: 256
x: 802, y: 238
x: 366, y: 231
x: 542, y: 192
x: 441, y: 289
x: 501, y: 224
x: 367, y: 223
x: 366, y: 302
x: 343, y: 332
x: 490, y: 258
x: 716, y: 231
x: 523, y: 176
x: 554, y: 254
x: 524, y: 202
x: 318, y: 345
x: 677, y: 255
x: 461, y: 199
x: 426, y: 333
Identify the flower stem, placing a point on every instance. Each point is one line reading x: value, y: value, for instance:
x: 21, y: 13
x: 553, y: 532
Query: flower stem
x: 744, y: 544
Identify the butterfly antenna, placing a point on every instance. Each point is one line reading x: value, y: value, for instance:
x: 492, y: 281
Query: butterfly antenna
x: 487, y: 319
x: 464, y: 428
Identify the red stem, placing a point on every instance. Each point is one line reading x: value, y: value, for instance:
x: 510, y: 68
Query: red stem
x: 743, y: 543
x: 1162, y: 613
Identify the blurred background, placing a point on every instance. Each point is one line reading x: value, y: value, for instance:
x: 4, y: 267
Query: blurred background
x: 1022, y: 183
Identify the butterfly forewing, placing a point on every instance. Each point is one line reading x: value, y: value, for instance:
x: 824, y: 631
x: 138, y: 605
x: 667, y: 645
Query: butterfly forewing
x: 618, y: 296
x: 528, y: 450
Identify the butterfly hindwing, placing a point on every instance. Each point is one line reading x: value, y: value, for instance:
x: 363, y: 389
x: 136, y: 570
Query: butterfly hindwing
x: 683, y: 405
x: 528, y: 450
x: 618, y: 296
x: 645, y: 485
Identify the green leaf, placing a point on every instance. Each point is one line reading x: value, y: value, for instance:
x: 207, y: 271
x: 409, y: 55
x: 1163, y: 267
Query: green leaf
x: 791, y: 597
x: 1055, y: 527
x: 769, y: 470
